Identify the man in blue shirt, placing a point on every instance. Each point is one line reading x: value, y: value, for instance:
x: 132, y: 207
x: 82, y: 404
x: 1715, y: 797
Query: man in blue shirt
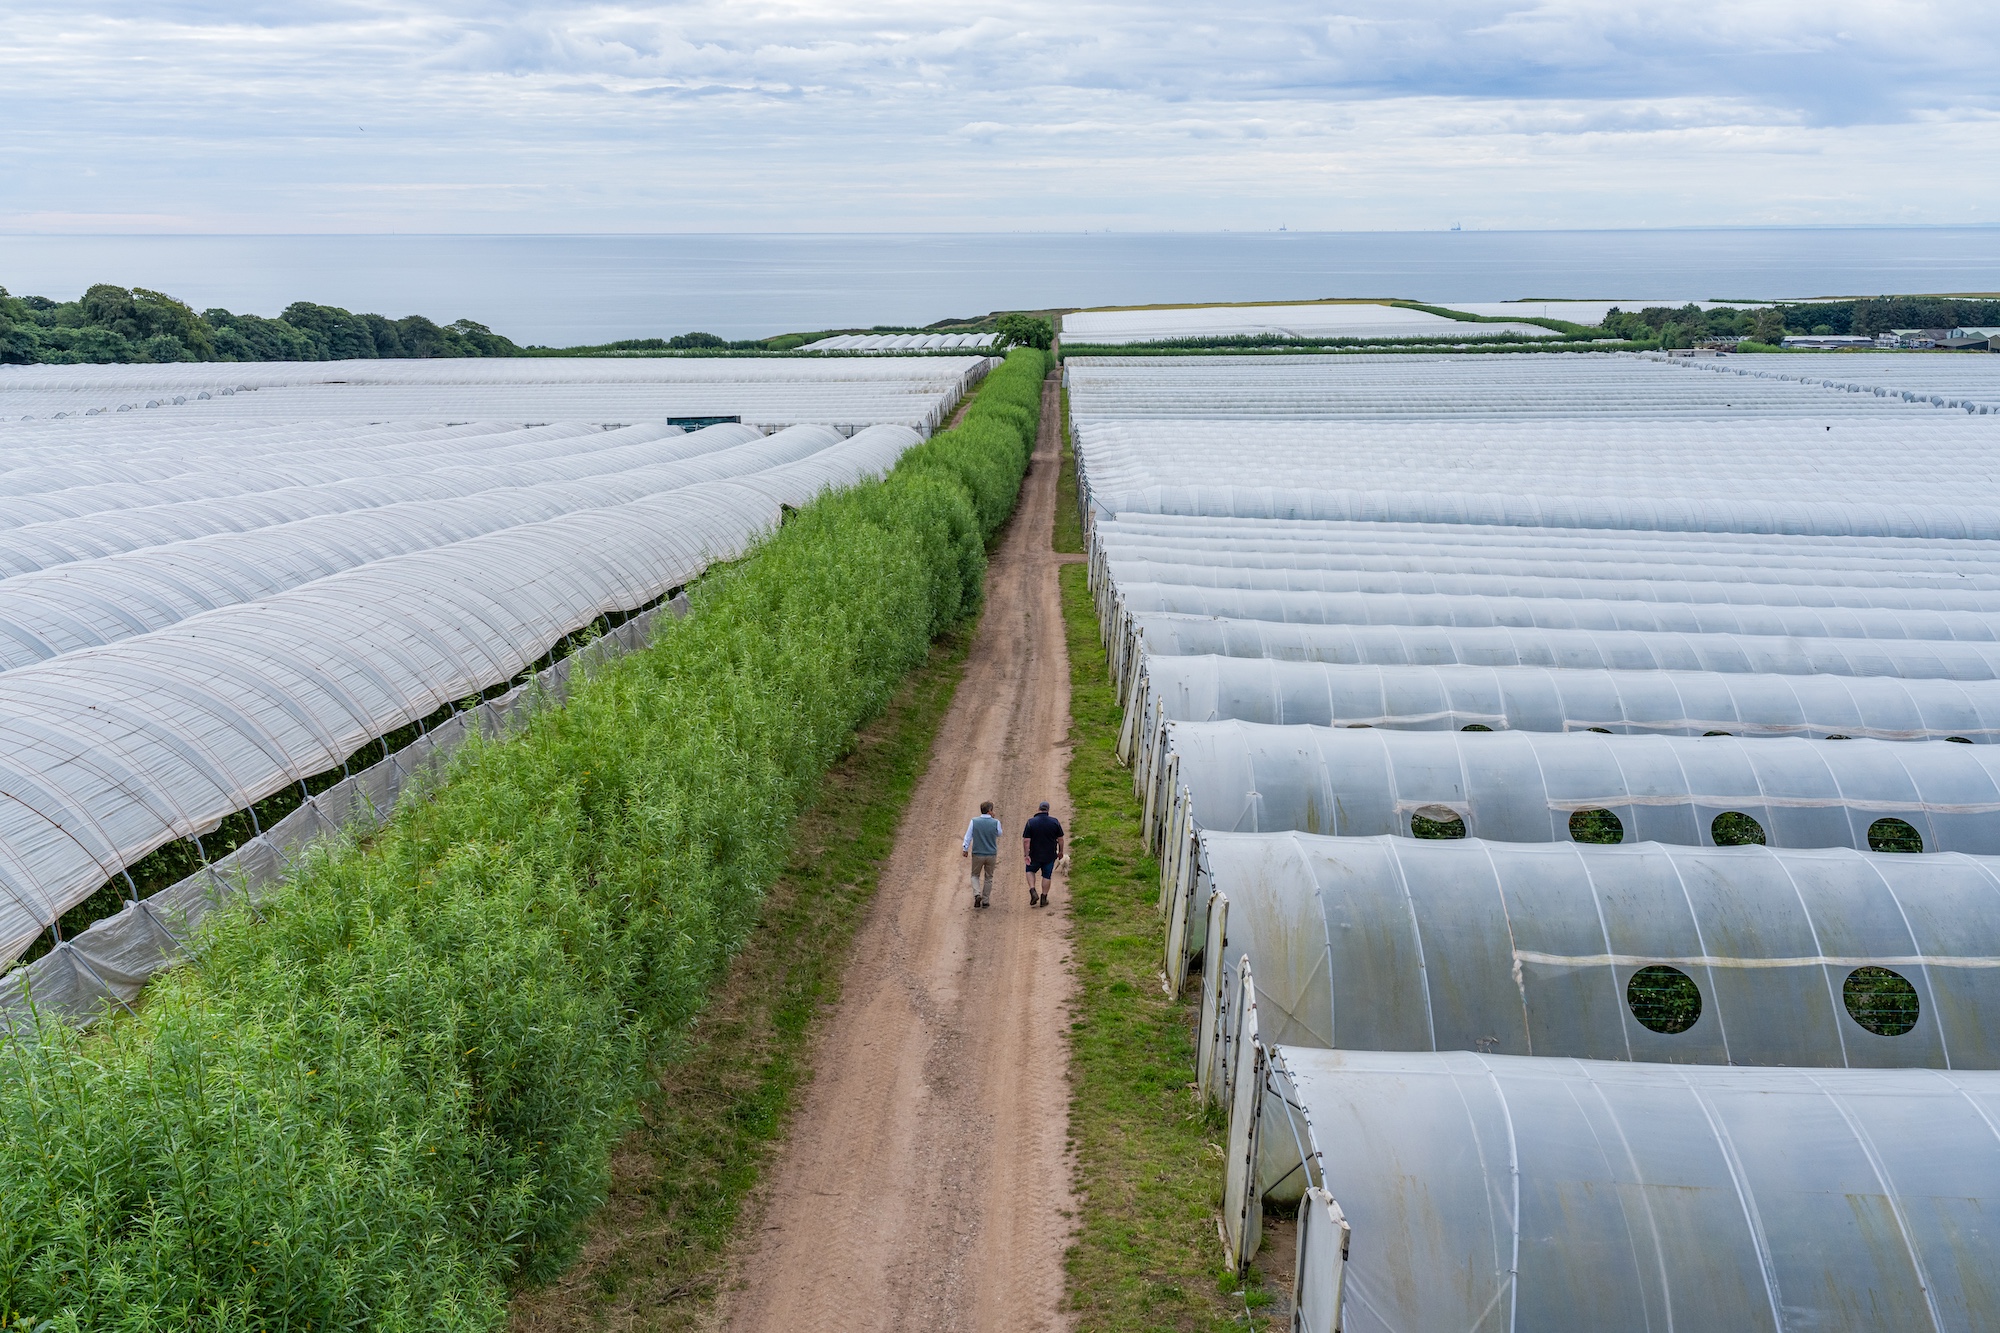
x: 982, y: 844
x: 1042, y: 843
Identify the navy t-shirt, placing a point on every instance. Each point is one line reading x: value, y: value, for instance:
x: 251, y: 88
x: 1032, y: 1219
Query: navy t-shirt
x: 1042, y: 833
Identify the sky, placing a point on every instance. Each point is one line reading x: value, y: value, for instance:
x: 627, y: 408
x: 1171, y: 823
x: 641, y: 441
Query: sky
x: 519, y: 116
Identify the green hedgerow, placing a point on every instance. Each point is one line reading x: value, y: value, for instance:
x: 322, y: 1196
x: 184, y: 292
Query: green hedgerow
x: 396, y: 1093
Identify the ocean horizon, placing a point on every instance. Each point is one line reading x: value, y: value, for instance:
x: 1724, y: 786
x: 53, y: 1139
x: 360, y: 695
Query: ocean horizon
x: 564, y: 290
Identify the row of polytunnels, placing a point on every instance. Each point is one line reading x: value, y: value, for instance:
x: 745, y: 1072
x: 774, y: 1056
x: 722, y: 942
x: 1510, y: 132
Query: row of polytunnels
x: 1589, y: 872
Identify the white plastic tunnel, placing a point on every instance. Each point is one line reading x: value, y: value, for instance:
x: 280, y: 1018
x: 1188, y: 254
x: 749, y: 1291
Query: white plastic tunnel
x: 1520, y: 786
x: 1683, y: 955
x: 1496, y: 1192
x: 1464, y: 698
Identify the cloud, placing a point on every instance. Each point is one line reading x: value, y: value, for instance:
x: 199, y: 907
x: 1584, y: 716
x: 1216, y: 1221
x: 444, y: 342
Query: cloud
x: 775, y: 114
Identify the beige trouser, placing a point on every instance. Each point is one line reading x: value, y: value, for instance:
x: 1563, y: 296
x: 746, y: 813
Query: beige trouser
x: 983, y: 865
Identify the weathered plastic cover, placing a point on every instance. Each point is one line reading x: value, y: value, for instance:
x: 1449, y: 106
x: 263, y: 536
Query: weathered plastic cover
x: 1951, y: 380
x: 1611, y: 612
x: 1319, y: 1268
x: 110, y: 961
x: 111, y: 751
x: 1534, y: 698
x: 1772, y: 589
x: 1568, y: 400
x: 846, y: 392
x: 1256, y: 544
x: 1527, y: 948
x: 1522, y: 786
x: 62, y: 602
x: 1570, y: 649
x: 1500, y: 1192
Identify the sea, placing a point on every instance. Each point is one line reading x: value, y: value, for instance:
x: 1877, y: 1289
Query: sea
x: 571, y: 290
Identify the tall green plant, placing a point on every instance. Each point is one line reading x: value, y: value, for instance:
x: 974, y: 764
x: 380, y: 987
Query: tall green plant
x: 396, y: 1093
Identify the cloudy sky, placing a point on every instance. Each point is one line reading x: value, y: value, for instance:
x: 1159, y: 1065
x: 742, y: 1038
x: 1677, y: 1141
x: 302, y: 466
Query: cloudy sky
x: 753, y: 115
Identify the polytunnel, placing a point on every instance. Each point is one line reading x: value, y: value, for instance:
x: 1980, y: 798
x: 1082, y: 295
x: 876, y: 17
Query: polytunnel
x: 1830, y: 518
x: 1128, y: 604
x: 1469, y: 549
x: 1417, y: 608
x: 1524, y: 786
x: 233, y: 486
x: 113, y: 751
x: 845, y: 393
x: 1857, y: 590
x: 1160, y: 635
x: 95, y: 600
x: 1492, y: 1192
x: 1824, y: 957
x: 1460, y: 698
x: 45, y: 542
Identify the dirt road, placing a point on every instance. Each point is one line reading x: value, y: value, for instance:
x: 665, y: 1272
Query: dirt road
x: 925, y: 1183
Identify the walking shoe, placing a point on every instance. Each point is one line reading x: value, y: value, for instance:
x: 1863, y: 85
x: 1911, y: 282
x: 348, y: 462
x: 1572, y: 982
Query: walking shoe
x: 1045, y: 900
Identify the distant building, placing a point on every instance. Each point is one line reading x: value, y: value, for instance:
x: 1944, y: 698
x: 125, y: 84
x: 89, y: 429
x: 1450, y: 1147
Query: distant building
x: 1978, y: 331
x: 1694, y: 351
x: 1915, y: 339
x: 1828, y: 341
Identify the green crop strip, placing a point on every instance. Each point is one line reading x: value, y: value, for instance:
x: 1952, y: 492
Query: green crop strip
x: 396, y: 1095
x: 1149, y: 1160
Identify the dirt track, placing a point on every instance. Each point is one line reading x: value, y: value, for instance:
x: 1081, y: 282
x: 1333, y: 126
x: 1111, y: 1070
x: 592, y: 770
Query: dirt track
x: 925, y: 1182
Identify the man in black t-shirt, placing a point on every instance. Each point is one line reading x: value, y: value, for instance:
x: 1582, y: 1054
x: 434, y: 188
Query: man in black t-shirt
x: 1042, y: 843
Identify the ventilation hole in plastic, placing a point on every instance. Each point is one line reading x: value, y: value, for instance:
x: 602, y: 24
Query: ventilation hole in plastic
x: 1840, y: 738
x: 1602, y: 731
x: 1595, y: 826
x: 1880, y: 1000
x: 1663, y: 999
x: 1733, y: 828
x: 1959, y: 740
x: 1716, y: 733
x: 1437, y: 821
x: 1475, y: 726
x: 1894, y: 835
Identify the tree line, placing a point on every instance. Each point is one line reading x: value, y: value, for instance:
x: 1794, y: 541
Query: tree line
x: 1686, y: 325
x: 114, y: 324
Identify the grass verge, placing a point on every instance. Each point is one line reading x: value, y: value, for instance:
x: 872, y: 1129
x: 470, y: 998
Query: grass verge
x: 1069, y: 524
x: 1149, y: 1159
x: 654, y: 1257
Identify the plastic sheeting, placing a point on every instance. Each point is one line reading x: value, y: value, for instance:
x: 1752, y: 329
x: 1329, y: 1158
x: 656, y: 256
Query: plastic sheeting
x: 1157, y: 636
x: 112, y: 959
x: 83, y: 602
x: 1930, y: 566
x: 845, y: 392
x: 110, y: 752
x: 903, y: 342
x: 1772, y: 590
x: 1528, y: 948
x: 1381, y: 388
x: 1564, y: 613
x: 1495, y: 1192
x: 1962, y: 381
x: 1322, y: 319
x: 1522, y: 786
x: 1456, y: 698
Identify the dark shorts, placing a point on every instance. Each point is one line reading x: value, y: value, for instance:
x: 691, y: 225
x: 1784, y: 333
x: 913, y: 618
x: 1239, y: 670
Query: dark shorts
x: 1048, y: 867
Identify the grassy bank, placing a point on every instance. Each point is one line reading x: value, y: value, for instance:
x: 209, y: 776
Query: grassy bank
x: 396, y: 1094
x: 1149, y: 1160
x: 653, y: 1257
